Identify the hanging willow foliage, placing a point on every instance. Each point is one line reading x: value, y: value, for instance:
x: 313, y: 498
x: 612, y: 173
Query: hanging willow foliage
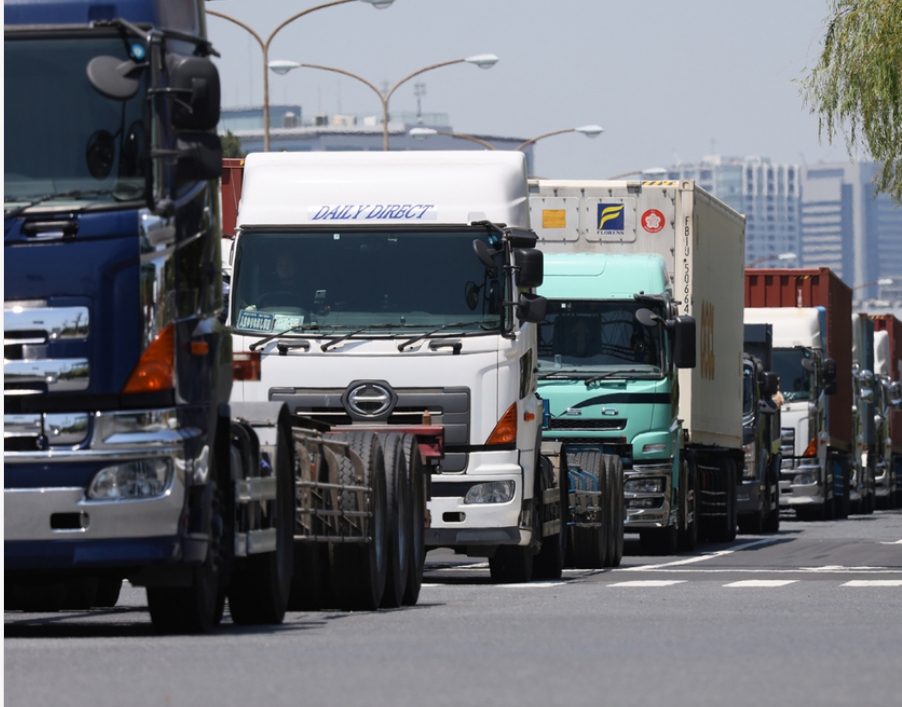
x: 856, y: 87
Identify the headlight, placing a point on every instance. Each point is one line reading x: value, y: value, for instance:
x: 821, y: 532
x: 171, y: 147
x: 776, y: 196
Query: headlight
x: 131, y: 480
x: 749, y: 468
x: 494, y: 492
x: 644, y: 486
x: 657, y: 447
x: 808, y: 477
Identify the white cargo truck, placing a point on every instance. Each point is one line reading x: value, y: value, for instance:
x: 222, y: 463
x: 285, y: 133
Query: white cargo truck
x: 640, y: 278
x: 391, y: 290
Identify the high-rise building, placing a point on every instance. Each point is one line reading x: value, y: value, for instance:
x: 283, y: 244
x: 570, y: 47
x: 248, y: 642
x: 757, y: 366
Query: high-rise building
x: 768, y: 194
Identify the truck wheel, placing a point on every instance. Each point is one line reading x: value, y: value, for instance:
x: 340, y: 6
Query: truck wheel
x: 107, y: 592
x: 358, y: 569
x: 613, y: 472
x: 723, y: 527
x: 589, y: 541
x: 549, y: 563
x: 417, y: 494
x: 772, y: 517
x: 687, y: 539
x: 659, y: 541
x: 187, y: 609
x: 511, y: 563
x: 751, y: 523
x: 397, y: 486
x: 258, y: 593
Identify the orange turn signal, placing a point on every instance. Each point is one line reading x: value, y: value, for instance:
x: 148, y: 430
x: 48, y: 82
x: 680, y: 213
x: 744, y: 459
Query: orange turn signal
x: 246, y: 366
x: 505, y: 431
x: 811, y: 451
x: 156, y: 367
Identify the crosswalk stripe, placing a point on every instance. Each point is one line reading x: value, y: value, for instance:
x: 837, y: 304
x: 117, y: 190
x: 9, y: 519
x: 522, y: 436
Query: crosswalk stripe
x: 761, y: 583
x: 873, y: 583
x: 648, y: 583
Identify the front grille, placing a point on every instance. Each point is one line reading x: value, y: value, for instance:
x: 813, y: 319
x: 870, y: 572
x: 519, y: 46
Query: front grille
x: 599, y: 424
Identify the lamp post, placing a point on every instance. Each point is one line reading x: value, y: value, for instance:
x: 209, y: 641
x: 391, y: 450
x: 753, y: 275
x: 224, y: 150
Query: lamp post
x: 767, y: 258
x: 483, y: 61
x: 264, y: 45
x: 587, y: 130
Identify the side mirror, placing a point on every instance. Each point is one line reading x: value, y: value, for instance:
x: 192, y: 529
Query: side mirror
x: 770, y: 383
x: 684, y: 352
x: 648, y: 319
x: 199, y: 156
x: 197, y: 92
x: 114, y: 78
x: 486, y: 257
x: 530, y: 267
x: 531, y: 308
x: 829, y: 371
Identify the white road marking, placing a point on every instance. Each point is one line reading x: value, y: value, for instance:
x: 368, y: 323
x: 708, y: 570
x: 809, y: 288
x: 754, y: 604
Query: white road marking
x: 532, y: 585
x: 873, y: 583
x: 649, y: 583
x: 702, y: 558
x: 893, y: 542
x: 791, y: 570
x: 761, y: 583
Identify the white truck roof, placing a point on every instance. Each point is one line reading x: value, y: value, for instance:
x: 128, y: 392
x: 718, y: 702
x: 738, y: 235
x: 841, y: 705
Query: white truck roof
x: 377, y: 188
x: 793, y: 326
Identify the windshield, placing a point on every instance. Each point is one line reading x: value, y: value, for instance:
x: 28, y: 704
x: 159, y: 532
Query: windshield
x: 401, y: 281
x: 748, y: 389
x: 591, y: 337
x: 60, y: 134
x: 795, y: 381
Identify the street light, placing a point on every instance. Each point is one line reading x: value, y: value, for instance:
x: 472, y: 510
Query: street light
x: 587, y: 130
x: 767, y: 258
x: 483, y: 61
x: 264, y: 45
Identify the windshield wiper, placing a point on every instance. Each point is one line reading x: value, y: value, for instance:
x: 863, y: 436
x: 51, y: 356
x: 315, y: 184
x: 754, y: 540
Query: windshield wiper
x: 419, y: 337
x: 595, y: 379
x: 568, y: 373
x: 75, y: 193
x: 335, y: 342
x: 266, y: 339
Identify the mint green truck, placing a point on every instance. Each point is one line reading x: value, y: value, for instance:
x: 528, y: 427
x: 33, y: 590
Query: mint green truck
x: 641, y: 353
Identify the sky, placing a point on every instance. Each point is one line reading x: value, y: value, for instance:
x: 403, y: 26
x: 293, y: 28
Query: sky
x: 670, y: 82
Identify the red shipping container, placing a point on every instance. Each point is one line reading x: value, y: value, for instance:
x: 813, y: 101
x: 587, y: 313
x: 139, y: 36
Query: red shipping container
x: 815, y: 287
x: 232, y: 179
x: 893, y: 327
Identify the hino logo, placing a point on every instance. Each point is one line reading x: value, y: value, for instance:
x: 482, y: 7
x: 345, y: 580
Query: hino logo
x: 369, y: 399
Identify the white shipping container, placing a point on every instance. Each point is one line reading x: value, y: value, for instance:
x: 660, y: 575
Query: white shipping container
x: 702, y: 241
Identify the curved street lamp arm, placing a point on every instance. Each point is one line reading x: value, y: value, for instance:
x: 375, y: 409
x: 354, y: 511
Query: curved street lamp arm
x: 418, y: 72
x: 301, y: 14
x: 462, y: 136
x: 348, y: 74
x: 240, y: 24
x: 539, y: 137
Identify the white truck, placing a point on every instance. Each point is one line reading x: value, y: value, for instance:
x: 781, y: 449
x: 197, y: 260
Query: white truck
x: 641, y: 277
x: 391, y: 290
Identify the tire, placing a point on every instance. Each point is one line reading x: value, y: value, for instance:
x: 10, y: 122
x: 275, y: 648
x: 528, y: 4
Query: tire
x: 187, y: 609
x: 511, y: 564
x: 81, y: 593
x: 36, y: 597
x: 259, y: 592
x: 397, y: 486
x: 549, y: 563
x: 590, y: 543
x: 723, y: 528
x: 192, y: 609
x: 613, y: 472
x: 359, y: 570
x: 772, y: 517
x: 108, y: 590
x: 659, y: 541
x: 307, y: 592
x: 687, y: 539
x: 417, y: 546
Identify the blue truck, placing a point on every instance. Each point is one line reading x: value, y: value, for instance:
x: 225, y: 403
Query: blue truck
x: 123, y: 456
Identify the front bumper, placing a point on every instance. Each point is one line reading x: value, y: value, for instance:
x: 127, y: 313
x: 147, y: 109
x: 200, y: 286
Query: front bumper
x: 49, y: 523
x: 803, y: 485
x: 883, y: 481
x: 750, y: 497
x: 658, y: 511
x: 457, y: 523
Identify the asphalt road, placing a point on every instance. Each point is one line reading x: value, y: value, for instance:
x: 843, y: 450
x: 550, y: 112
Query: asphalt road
x: 811, y: 615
